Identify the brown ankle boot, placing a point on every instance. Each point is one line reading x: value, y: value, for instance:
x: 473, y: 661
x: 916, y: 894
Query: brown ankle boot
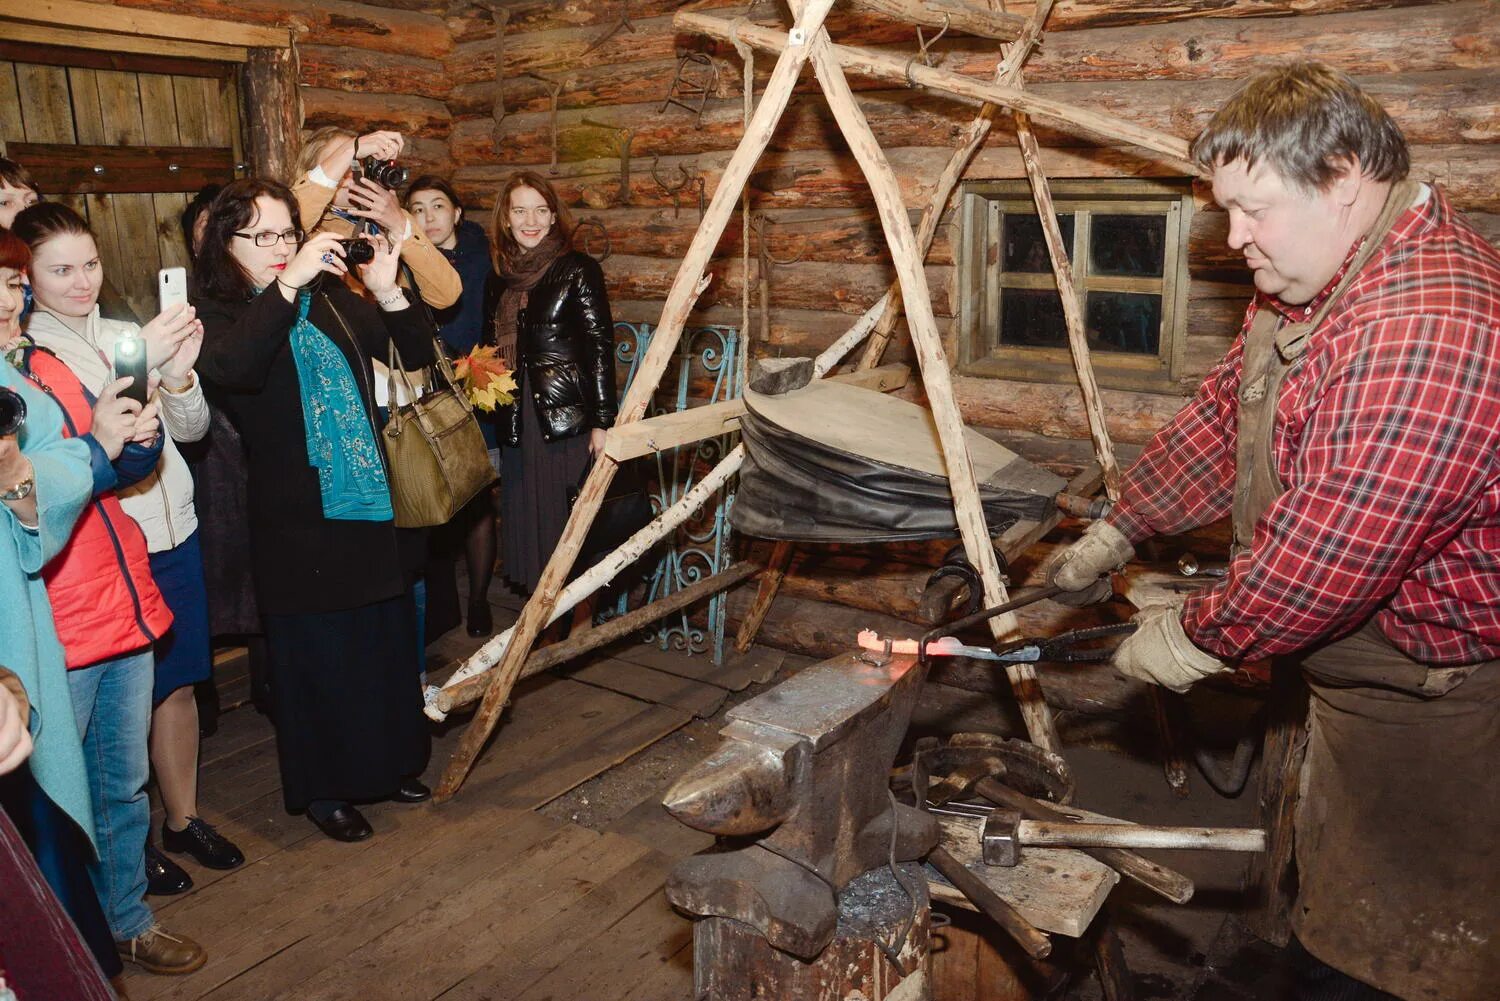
x: 159, y: 951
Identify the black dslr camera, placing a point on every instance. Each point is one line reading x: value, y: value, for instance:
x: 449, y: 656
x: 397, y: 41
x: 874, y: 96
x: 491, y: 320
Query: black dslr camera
x: 385, y: 173
x: 12, y: 411
x: 358, y: 250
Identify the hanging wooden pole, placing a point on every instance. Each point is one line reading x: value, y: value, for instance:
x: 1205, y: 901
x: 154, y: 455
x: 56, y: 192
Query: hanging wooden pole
x: 675, y: 311
x: 936, y: 377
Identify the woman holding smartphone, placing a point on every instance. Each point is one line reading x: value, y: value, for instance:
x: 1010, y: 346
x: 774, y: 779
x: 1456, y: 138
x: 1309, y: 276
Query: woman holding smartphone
x: 287, y: 349
x: 66, y: 278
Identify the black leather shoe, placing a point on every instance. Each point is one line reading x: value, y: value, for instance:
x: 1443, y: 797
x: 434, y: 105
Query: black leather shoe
x: 207, y: 846
x: 164, y: 878
x: 481, y: 622
x: 412, y: 791
x: 344, y: 824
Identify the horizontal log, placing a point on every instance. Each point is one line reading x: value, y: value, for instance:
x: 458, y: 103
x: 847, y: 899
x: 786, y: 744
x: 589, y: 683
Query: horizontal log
x: 339, y: 67
x: 325, y: 22
x: 1057, y: 410
x: 949, y: 15
x: 1107, y: 13
x: 115, y: 169
x: 891, y: 67
x: 1412, y: 39
x: 412, y: 116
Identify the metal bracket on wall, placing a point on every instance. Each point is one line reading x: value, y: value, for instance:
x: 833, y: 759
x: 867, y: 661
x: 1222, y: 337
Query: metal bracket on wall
x: 627, y: 137
x: 554, y: 88
x: 623, y: 21
x: 672, y: 189
x: 692, y: 85
x: 501, y: 14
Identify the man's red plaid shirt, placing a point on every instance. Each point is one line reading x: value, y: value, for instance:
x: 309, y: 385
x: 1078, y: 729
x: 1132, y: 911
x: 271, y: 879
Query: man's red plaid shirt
x: 1388, y: 441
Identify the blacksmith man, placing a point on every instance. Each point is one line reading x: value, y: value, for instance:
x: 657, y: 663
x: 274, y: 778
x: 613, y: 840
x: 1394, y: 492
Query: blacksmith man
x: 1353, y: 433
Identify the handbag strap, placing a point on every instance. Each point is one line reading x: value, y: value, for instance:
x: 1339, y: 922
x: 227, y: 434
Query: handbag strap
x: 441, y: 369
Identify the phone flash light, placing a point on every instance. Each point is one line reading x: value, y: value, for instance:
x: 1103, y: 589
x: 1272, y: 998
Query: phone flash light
x: 129, y: 346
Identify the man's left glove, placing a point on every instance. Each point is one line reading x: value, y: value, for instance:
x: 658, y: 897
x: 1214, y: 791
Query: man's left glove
x: 1160, y: 652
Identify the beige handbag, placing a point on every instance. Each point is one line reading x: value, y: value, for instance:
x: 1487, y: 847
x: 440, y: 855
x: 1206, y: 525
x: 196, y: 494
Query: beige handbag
x: 434, y: 447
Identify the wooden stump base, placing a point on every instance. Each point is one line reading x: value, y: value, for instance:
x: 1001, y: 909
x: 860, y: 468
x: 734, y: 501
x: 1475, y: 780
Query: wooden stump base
x: 733, y: 962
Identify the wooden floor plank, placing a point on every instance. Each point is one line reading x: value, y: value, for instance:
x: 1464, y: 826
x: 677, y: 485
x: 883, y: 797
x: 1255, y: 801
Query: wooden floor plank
x: 466, y: 928
x: 760, y: 662
x: 651, y: 685
x: 699, y: 667
x: 544, y: 946
x: 649, y: 823
x: 644, y: 947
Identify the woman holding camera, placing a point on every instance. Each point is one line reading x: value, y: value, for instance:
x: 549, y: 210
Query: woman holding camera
x: 108, y: 612
x: 66, y: 279
x: 554, y: 329
x: 336, y: 193
x: 287, y: 347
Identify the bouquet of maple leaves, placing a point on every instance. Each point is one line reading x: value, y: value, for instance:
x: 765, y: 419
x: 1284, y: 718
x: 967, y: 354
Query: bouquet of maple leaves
x: 487, y: 381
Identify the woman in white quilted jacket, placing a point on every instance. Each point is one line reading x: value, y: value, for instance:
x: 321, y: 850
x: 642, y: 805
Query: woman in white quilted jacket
x: 66, y: 278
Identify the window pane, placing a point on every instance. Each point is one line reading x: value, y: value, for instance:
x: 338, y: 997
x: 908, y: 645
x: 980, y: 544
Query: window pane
x: 1025, y: 247
x: 1124, y: 321
x: 1032, y: 318
x: 1128, y: 245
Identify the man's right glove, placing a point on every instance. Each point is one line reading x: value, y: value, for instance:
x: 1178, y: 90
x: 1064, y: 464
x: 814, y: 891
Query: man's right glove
x: 1160, y: 652
x: 1081, y: 569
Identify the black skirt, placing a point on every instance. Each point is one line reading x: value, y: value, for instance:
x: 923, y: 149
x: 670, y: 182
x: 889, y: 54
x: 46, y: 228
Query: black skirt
x: 346, y: 702
x: 535, y: 480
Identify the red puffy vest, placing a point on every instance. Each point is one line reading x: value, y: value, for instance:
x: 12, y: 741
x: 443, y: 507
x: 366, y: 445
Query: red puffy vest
x: 104, y: 600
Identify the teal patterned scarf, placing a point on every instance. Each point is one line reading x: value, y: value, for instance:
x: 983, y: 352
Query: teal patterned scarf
x: 340, y: 442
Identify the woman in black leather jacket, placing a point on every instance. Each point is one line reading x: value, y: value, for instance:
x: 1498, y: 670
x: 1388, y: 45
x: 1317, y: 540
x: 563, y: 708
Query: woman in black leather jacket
x: 553, y: 327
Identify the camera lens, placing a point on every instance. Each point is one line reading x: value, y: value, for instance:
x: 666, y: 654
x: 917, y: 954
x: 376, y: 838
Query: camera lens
x: 358, y: 251
x: 385, y: 173
x: 12, y: 411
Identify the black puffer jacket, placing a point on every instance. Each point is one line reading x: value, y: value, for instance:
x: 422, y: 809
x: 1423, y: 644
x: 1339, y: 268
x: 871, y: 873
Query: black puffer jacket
x: 566, y: 341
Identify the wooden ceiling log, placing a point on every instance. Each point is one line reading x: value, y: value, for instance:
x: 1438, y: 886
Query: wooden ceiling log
x: 948, y: 15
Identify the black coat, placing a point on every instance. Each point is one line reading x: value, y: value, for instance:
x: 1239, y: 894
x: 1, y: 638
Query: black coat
x: 303, y: 562
x: 566, y: 344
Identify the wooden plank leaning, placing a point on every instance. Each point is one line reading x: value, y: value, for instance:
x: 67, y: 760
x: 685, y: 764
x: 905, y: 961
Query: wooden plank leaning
x: 936, y: 377
x: 679, y: 303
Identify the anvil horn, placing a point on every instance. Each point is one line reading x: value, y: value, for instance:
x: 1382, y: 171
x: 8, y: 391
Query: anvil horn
x: 742, y: 788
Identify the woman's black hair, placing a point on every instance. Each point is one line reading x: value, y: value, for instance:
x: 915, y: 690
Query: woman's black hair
x: 199, y: 205
x: 432, y: 182
x: 216, y: 273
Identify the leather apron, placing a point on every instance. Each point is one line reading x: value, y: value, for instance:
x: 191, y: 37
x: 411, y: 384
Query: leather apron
x: 1398, y: 817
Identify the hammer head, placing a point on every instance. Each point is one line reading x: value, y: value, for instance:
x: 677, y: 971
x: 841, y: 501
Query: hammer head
x: 998, y: 839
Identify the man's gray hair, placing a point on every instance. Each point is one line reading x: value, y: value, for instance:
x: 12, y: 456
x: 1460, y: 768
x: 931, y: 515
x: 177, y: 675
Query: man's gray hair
x: 1306, y: 120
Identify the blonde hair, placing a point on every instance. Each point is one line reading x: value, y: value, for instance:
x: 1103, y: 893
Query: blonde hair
x: 1306, y: 119
x: 313, y: 147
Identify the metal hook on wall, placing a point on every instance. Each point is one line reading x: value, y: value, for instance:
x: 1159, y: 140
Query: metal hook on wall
x: 674, y: 190
x: 627, y: 137
x: 593, y: 223
x: 684, y: 85
x: 623, y: 21
x: 554, y: 88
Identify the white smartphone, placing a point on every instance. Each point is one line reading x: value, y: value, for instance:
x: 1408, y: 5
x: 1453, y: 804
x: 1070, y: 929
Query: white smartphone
x: 171, y: 284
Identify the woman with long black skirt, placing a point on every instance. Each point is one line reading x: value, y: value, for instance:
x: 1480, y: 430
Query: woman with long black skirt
x: 287, y: 347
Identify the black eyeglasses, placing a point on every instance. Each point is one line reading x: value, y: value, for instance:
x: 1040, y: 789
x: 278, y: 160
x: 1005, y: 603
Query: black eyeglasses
x: 266, y: 238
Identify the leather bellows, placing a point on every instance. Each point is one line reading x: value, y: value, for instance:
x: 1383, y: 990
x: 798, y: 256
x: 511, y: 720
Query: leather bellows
x: 434, y: 447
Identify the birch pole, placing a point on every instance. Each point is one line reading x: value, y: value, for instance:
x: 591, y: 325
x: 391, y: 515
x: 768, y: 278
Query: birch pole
x: 675, y: 311
x: 936, y: 376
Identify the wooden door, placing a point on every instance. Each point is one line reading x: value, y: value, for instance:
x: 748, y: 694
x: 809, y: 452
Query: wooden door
x: 126, y: 140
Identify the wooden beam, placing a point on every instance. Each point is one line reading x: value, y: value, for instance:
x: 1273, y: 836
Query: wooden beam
x: 96, y: 41
x: 936, y: 376
x: 269, y: 84
x: 142, y: 23
x: 950, y: 15
x: 657, y: 434
x: 97, y: 170
x: 895, y: 68
x: 471, y: 689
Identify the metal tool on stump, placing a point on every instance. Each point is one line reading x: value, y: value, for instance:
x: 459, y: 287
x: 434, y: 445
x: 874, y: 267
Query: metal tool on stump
x: 804, y: 767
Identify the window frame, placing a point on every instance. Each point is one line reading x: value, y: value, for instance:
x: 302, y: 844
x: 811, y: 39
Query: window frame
x: 981, y: 283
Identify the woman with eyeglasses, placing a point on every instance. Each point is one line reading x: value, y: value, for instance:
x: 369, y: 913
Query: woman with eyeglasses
x: 287, y: 349
x: 553, y: 328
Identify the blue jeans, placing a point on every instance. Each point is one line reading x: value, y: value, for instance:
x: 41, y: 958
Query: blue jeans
x: 112, y: 703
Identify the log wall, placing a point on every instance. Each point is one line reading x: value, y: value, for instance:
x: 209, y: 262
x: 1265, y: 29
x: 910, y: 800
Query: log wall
x: 1166, y: 65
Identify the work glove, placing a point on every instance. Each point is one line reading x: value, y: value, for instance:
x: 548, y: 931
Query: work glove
x: 1160, y: 652
x: 1081, y: 569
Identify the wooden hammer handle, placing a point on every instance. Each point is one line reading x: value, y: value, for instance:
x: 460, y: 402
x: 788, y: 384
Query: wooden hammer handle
x: 1036, y: 944
x: 1069, y: 835
x: 1153, y: 876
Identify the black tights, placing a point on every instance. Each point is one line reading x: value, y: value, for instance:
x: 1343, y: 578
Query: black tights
x: 479, y: 544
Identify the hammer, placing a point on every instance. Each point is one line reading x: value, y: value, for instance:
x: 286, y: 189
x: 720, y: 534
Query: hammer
x: 1155, y: 877
x: 1005, y: 832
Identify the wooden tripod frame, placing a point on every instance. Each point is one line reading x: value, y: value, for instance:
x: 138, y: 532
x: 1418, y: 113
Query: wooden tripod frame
x: 808, y: 42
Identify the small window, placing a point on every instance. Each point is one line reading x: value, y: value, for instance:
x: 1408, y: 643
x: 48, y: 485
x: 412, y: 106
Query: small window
x: 1127, y: 242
